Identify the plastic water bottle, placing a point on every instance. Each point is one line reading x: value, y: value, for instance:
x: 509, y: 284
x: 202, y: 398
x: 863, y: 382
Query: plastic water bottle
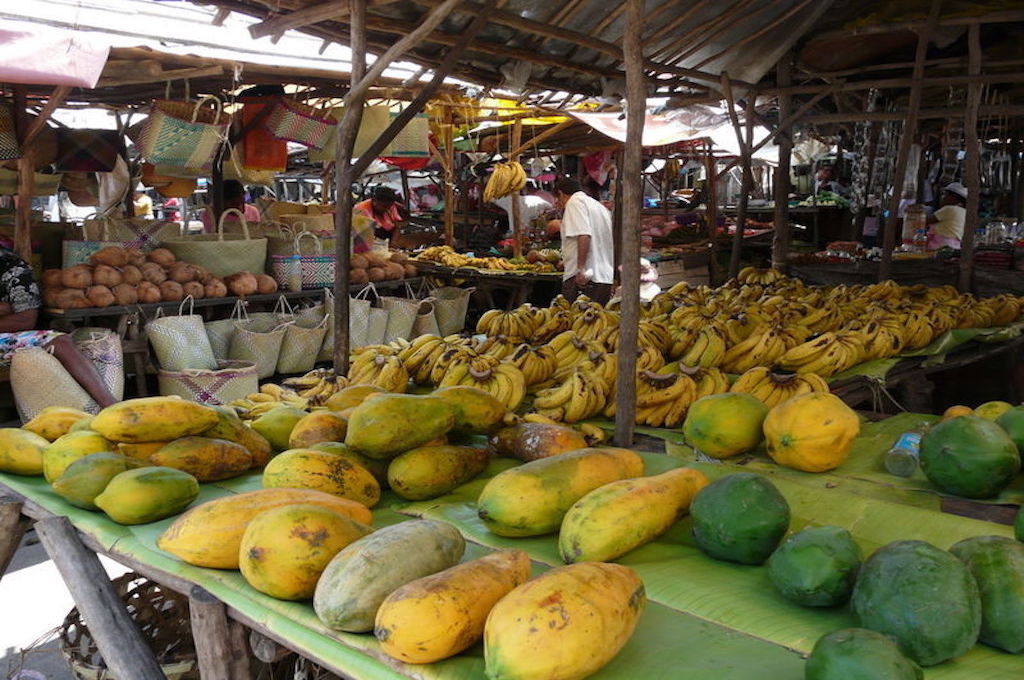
x: 903, y: 458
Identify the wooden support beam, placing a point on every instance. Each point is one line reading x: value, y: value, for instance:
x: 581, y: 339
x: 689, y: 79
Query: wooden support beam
x: 632, y: 204
x: 783, y: 230
x: 517, y: 217
x: 164, y: 76
x: 906, y: 142
x: 210, y: 629
x: 972, y: 161
x: 329, y: 10
x: 711, y: 212
x: 26, y: 179
x: 448, y: 135
x: 53, y: 102
x: 537, y: 139
x: 745, y: 138
x: 119, y: 640
x: 903, y: 83
x: 12, y: 528
x: 984, y: 111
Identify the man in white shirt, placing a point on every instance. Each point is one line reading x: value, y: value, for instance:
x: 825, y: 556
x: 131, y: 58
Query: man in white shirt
x: 588, y: 247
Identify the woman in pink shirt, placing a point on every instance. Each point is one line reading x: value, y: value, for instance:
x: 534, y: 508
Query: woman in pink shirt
x: 234, y: 197
x: 383, y: 209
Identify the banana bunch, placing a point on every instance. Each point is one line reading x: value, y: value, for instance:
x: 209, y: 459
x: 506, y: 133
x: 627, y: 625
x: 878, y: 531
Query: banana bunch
x: 650, y: 333
x: 830, y: 353
x: 506, y: 179
x: 604, y: 366
x: 501, y: 380
x: 662, y: 399
x: 594, y: 324
x: 423, y: 352
x: 761, y: 276
x: 501, y: 346
x: 707, y: 349
x: 269, y: 397
x: 380, y: 368
x: 579, y: 396
x: 773, y: 389
x: 976, y: 314
x: 570, y: 351
x: 882, y: 336
x: 538, y: 364
x: 315, y: 386
x: 680, y: 340
x: 761, y: 348
x: 708, y: 380
x: 517, y: 323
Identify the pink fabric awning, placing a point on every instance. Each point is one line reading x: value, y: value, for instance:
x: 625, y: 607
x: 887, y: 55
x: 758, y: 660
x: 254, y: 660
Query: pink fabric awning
x: 32, y: 55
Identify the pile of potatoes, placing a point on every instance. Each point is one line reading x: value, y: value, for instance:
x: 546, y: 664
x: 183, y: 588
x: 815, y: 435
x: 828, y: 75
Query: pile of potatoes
x: 374, y: 267
x: 120, y: 276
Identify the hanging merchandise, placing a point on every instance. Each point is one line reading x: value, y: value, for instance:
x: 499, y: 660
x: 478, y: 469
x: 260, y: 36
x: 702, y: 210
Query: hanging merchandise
x: 182, y: 135
x: 299, y: 123
x: 42, y: 184
x: 9, y: 148
x: 375, y: 121
x: 236, y: 167
x: 412, y: 141
x: 167, y: 186
x: 88, y: 150
x: 260, y: 149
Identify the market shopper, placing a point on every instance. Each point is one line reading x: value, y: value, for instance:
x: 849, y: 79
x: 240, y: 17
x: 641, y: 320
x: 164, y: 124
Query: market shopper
x: 946, y: 225
x: 142, y: 203
x: 587, y: 245
x: 383, y: 209
x: 234, y: 197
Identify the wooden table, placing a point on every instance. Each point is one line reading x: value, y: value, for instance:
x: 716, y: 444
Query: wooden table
x: 519, y: 285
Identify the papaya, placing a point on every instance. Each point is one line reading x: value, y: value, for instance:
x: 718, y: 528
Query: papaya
x: 432, y: 471
x: 969, y: 456
x: 377, y: 468
x: 739, y: 518
x: 86, y: 478
x: 476, y: 411
x: 922, y: 597
x: 1012, y: 423
x: 208, y: 460
x: 210, y: 534
x: 153, y: 419
x: 997, y: 564
x: 55, y: 421
x: 21, y: 451
x: 391, y: 423
x: 859, y: 654
x: 317, y: 427
x: 438, y: 616
x: 140, y: 452
x: 618, y: 517
x: 276, y: 425
x: 532, y: 499
x: 69, y: 448
x: 230, y: 427
x: 533, y: 441
x: 285, y: 549
x: 311, y: 469
x: 812, y: 432
x: 565, y: 624
x: 353, y: 586
x: 992, y: 410
x: 83, y: 424
x: 725, y: 425
x: 816, y: 567
x: 1018, y: 525
x: 147, y: 494
x: 351, y: 396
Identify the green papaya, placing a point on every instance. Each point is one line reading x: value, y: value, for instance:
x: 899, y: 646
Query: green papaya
x: 476, y: 411
x: 1012, y: 423
x: 923, y: 597
x: 389, y: 424
x: 69, y: 448
x: 87, y: 477
x: 147, y: 494
x: 276, y: 425
x: 997, y: 564
x: 739, y: 518
x: 377, y: 468
x: 859, y: 654
x: 969, y: 456
x: 816, y: 567
x: 432, y: 471
x: 1018, y: 525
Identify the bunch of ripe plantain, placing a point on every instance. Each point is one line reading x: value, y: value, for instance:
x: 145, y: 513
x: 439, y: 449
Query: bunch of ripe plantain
x: 507, y: 178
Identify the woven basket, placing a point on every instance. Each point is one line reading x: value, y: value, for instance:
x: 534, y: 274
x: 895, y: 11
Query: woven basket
x: 232, y: 380
x: 222, y: 254
x: 162, y: 617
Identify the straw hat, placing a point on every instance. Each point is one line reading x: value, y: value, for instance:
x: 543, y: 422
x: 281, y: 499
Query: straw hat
x: 958, y: 189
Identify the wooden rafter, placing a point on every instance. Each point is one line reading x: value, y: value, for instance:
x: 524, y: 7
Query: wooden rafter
x: 763, y: 30
x: 329, y: 10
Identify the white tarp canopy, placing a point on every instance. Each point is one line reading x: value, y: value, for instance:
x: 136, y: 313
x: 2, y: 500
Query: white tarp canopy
x: 36, y: 55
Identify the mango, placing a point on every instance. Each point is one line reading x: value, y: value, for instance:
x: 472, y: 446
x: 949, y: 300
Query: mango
x: 385, y: 426
x: 153, y: 419
x: 351, y: 396
x: 438, y: 616
x: 311, y: 469
x: 210, y: 534
x: 208, y: 460
x: 55, y: 421
x: 21, y: 451
x: 316, y: 428
x: 69, y: 448
x: 229, y: 426
x: 432, y: 471
x: 476, y: 411
x: 377, y: 468
x: 147, y: 494
x: 276, y: 425
x: 284, y: 550
x: 532, y: 499
x: 533, y: 441
x: 565, y: 624
x: 86, y: 478
x: 618, y: 517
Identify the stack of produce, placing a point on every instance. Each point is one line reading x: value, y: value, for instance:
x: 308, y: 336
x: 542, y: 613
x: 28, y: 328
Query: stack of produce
x: 373, y: 267
x: 119, y: 276
x: 446, y: 255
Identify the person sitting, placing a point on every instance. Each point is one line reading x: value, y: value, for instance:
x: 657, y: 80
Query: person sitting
x: 946, y: 225
x: 383, y: 210
x: 234, y: 197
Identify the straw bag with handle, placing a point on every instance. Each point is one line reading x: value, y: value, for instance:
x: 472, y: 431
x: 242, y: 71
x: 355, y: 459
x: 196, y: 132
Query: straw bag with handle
x: 39, y: 380
x: 260, y: 347
x: 450, y: 306
x: 219, y: 332
x: 295, y: 122
x: 298, y: 271
x: 182, y: 135
x: 230, y: 381
x: 303, y: 339
x: 402, y: 313
x: 222, y: 254
x: 180, y: 342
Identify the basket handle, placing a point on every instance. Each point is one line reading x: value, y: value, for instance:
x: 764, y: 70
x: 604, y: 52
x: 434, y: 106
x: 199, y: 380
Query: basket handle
x: 316, y: 240
x: 364, y: 293
x: 218, y: 107
x: 241, y: 217
x: 240, y: 312
x: 283, y: 308
x: 191, y: 306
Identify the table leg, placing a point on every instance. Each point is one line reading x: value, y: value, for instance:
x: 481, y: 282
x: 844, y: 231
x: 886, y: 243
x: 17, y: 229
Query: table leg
x: 12, y: 528
x: 120, y: 643
x: 212, y: 635
x: 240, y: 667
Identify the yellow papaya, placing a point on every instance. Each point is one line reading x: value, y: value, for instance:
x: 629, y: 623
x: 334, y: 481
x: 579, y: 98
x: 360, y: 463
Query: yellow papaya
x: 812, y: 432
x: 21, y: 451
x: 147, y: 494
x: 284, y: 550
x: 230, y: 427
x: 55, y: 421
x: 565, y: 624
x: 432, y: 471
x: 210, y: 534
x: 377, y: 468
x: 438, y: 616
x: 533, y: 441
x: 69, y: 448
x: 615, y: 518
x: 140, y: 452
x: 532, y: 499
x: 476, y: 411
x: 312, y: 469
x: 86, y: 478
x: 83, y: 424
x: 153, y: 419
x: 351, y: 396
x: 388, y: 424
x: 208, y: 460
x: 317, y: 427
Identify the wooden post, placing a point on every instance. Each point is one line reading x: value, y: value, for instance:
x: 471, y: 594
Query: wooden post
x: 711, y: 211
x: 632, y: 198
x: 212, y: 637
x: 343, y: 176
x: 746, y: 184
x: 448, y: 139
x: 783, y: 185
x: 517, y: 222
x: 906, y: 141
x: 216, y: 195
x: 118, y: 638
x: 12, y: 527
x: 26, y: 179
x: 971, y: 161
x: 405, y: 189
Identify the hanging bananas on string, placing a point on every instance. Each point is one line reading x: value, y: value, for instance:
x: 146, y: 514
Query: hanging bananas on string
x: 507, y: 178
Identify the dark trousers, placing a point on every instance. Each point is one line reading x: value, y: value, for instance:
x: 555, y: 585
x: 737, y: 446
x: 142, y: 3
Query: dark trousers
x: 598, y: 292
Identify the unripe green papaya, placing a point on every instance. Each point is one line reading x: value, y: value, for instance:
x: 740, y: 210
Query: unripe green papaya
x: 432, y: 471
x: 389, y: 424
x: 87, y: 477
x: 69, y: 448
x: 997, y: 564
x: 816, y: 567
x: 859, y: 654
